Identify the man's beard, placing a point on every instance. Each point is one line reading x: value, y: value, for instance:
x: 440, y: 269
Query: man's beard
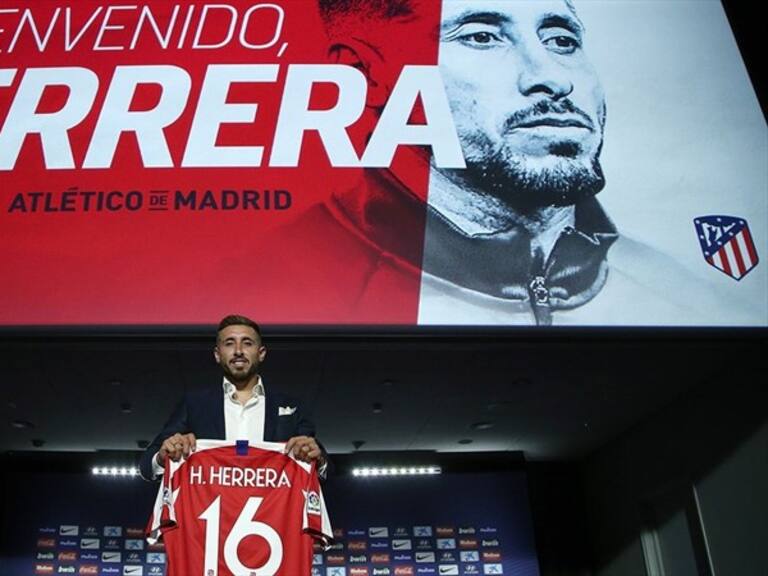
x: 526, y: 184
x: 565, y: 176
x: 239, y: 377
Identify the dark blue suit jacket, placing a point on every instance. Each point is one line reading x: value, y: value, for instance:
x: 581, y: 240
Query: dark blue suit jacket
x: 202, y: 413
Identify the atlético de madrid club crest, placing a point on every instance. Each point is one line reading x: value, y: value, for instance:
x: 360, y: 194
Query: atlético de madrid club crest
x: 727, y: 245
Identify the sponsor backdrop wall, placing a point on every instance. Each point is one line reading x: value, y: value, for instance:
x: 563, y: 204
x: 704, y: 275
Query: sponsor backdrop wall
x: 168, y: 163
x: 453, y: 524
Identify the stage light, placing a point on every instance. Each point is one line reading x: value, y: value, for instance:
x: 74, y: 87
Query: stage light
x: 396, y: 471
x: 115, y: 471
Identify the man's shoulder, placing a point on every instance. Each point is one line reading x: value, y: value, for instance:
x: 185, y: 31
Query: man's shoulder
x: 653, y: 267
x: 203, y: 396
x: 630, y: 253
x: 321, y: 232
x: 316, y: 246
x: 663, y: 291
x: 316, y: 253
x: 281, y: 398
x: 349, y: 275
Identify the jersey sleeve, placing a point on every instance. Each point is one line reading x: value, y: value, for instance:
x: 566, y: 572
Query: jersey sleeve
x: 163, y: 516
x: 315, y: 521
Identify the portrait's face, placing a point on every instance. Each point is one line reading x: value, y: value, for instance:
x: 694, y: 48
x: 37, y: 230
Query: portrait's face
x: 527, y: 104
x: 239, y: 352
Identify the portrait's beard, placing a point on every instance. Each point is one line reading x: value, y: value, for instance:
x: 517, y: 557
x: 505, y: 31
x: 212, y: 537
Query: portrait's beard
x: 526, y: 183
x: 564, y: 177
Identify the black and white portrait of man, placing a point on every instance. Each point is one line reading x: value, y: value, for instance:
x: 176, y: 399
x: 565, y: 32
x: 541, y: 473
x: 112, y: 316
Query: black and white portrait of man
x: 558, y: 218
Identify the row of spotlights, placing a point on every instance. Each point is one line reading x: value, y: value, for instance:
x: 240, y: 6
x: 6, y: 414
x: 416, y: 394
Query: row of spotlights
x: 364, y: 472
x: 396, y: 471
x: 114, y: 471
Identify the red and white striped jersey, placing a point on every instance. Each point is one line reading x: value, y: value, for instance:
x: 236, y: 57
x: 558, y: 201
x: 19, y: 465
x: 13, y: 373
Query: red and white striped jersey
x: 239, y: 509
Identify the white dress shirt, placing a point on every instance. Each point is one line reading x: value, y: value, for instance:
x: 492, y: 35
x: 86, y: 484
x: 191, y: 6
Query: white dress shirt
x: 244, y: 421
x: 241, y: 421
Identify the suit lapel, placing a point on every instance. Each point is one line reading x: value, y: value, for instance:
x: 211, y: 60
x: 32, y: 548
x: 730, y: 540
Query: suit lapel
x: 220, y: 430
x: 270, y: 417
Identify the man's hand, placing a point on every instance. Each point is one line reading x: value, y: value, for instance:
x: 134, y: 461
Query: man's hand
x: 176, y: 446
x: 304, y: 448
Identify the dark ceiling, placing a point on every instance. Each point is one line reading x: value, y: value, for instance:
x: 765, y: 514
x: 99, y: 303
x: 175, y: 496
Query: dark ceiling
x: 554, y: 398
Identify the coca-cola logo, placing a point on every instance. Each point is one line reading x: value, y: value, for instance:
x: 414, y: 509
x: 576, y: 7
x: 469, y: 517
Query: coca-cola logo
x: 46, y: 542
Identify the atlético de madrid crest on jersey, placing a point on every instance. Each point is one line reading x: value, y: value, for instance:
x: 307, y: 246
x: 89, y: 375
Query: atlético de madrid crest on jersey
x: 727, y: 244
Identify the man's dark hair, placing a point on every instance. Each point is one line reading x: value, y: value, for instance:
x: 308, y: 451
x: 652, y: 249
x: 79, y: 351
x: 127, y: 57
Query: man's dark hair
x: 238, y: 320
x: 386, y: 9
x: 383, y: 9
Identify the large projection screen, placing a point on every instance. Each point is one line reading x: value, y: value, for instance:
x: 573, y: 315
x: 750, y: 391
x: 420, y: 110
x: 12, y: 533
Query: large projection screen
x: 390, y: 163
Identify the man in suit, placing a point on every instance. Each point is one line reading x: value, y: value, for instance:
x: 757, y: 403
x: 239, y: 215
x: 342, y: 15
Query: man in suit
x: 241, y: 410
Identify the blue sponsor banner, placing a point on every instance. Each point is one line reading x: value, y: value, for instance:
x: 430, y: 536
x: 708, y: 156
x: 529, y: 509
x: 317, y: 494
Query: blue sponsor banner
x: 450, y: 524
x: 460, y: 524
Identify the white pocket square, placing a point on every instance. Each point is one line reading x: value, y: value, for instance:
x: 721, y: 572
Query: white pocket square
x: 285, y: 410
